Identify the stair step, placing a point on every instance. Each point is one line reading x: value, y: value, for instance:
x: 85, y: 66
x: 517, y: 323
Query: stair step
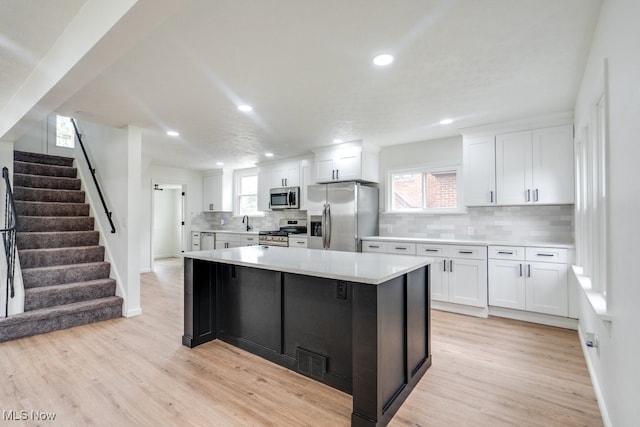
x: 53, y: 223
x: 46, y: 159
x: 45, y: 170
x: 60, y: 317
x: 47, y: 195
x: 56, y: 239
x: 26, y: 208
x: 61, y: 274
x: 49, y: 296
x: 39, y: 181
x: 33, y: 258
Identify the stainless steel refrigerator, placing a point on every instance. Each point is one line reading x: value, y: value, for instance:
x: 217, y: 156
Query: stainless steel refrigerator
x: 340, y: 215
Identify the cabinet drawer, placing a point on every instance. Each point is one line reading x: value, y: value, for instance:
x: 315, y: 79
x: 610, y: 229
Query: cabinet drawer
x: 430, y: 250
x: 401, y: 248
x: 298, y: 242
x: 250, y: 240
x: 507, y: 252
x: 374, y: 246
x: 558, y: 255
x: 470, y: 252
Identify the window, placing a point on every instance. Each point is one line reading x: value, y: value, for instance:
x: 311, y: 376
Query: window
x: 64, y: 132
x: 434, y: 190
x: 247, y: 192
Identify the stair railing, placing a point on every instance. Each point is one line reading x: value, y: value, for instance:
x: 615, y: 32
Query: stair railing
x: 95, y: 180
x: 9, y: 237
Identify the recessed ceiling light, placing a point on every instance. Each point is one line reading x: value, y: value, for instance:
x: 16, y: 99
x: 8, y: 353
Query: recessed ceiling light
x: 219, y: 164
x: 245, y: 108
x: 268, y: 154
x: 446, y: 121
x: 338, y: 141
x: 172, y: 133
x: 382, y: 60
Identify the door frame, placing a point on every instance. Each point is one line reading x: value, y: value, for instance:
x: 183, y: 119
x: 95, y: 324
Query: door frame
x: 183, y: 228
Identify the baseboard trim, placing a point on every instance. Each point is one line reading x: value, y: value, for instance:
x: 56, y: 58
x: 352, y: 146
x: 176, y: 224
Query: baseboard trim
x: 527, y: 316
x: 133, y: 312
x: 460, y: 308
x: 145, y: 270
x: 604, y: 412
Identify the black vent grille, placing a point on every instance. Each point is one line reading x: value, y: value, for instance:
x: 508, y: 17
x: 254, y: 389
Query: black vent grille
x: 311, y: 364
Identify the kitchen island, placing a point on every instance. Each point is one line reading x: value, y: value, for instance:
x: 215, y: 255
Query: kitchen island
x: 358, y: 322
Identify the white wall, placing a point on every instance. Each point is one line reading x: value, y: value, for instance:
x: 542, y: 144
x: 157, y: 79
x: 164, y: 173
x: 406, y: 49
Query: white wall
x: 116, y: 156
x: 615, y: 363
x: 191, y: 179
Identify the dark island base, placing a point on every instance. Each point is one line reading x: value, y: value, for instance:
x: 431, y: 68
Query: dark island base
x: 371, y: 341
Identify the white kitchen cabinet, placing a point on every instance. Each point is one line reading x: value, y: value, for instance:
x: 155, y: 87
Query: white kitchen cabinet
x: 264, y: 186
x: 479, y: 171
x: 351, y: 161
x: 458, y: 273
x: 529, y: 278
x: 298, y: 241
x: 235, y: 240
x: 195, y: 240
x: 305, y: 180
x: 286, y: 174
x: 535, y: 166
x: 217, y: 191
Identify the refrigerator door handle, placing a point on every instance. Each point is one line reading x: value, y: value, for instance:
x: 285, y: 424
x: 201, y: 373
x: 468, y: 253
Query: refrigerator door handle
x: 324, y: 226
x: 328, y: 228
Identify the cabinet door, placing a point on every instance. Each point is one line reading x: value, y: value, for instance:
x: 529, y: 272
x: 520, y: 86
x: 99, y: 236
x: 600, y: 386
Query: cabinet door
x: 547, y: 288
x: 552, y: 165
x: 212, y: 193
x: 468, y: 281
x: 325, y: 171
x: 438, y: 279
x: 479, y: 171
x: 348, y: 165
x: 305, y: 180
x: 506, y: 284
x: 513, y: 168
x: 264, y: 185
x: 285, y: 175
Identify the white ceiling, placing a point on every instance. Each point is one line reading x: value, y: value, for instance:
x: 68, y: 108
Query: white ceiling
x: 305, y: 67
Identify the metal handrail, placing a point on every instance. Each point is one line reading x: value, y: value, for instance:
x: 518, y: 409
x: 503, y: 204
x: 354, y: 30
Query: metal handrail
x: 95, y: 180
x: 9, y: 237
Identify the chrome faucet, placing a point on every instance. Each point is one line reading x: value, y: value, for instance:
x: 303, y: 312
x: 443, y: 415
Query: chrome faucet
x: 247, y: 218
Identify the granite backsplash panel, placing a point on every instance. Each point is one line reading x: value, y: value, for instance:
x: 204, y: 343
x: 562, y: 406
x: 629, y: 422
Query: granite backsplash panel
x: 543, y: 224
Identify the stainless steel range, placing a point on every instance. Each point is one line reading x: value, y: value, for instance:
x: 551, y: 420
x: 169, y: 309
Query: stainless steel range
x: 281, y: 237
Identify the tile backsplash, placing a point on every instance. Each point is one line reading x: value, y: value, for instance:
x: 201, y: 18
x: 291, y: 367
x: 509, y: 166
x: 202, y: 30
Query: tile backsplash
x: 226, y: 221
x: 542, y: 224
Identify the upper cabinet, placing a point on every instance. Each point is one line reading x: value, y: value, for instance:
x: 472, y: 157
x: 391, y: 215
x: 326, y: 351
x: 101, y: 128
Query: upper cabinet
x: 350, y: 161
x: 217, y: 187
x: 285, y: 174
x: 525, y: 167
x: 479, y: 171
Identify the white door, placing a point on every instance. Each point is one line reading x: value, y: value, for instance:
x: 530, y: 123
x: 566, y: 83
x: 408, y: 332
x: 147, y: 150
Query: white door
x: 506, y: 284
x: 468, y: 281
x: 513, y: 168
x: 479, y: 162
x: 439, y: 278
x: 547, y: 288
x: 552, y: 166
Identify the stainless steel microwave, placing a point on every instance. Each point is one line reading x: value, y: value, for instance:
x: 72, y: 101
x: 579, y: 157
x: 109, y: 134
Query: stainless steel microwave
x: 284, y: 198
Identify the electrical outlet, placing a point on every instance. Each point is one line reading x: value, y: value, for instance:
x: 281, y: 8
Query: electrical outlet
x: 591, y: 340
x: 341, y: 290
x: 471, y: 231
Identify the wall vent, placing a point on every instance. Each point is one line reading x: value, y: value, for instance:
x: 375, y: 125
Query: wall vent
x: 311, y: 364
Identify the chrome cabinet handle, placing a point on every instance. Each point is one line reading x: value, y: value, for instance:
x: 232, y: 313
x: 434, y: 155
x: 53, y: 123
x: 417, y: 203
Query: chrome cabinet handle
x: 520, y: 270
x: 451, y: 266
x: 528, y: 270
x: 535, y: 195
x: 543, y: 254
x: 505, y: 253
x: 337, y: 173
x: 528, y: 195
x: 431, y: 250
x: 333, y: 174
x: 374, y: 246
x: 444, y: 265
x: 465, y: 252
x: 400, y: 248
x: 491, y: 196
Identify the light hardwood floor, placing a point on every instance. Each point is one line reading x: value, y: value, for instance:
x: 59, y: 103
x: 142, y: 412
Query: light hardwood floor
x: 486, y: 372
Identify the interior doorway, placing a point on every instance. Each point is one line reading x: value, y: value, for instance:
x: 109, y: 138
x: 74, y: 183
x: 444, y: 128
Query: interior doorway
x: 168, y: 220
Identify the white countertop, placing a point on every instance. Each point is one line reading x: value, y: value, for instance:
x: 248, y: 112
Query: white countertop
x: 370, y: 268
x: 467, y: 242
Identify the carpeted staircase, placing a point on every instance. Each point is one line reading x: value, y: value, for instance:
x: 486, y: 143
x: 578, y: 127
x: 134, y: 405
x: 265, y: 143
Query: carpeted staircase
x: 65, y: 276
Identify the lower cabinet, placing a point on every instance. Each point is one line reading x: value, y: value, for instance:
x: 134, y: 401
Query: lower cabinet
x: 529, y: 278
x: 233, y: 240
x: 458, y: 275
